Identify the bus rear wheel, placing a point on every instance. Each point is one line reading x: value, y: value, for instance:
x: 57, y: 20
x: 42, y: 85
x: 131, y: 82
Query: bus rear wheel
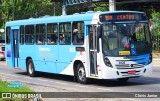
x: 30, y: 68
x: 81, y: 74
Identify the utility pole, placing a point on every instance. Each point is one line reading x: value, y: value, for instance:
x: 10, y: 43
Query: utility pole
x: 64, y: 10
x: 13, y: 9
x: 112, y: 5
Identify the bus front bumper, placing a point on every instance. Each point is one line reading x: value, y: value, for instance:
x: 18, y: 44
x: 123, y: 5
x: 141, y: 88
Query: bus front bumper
x: 112, y: 73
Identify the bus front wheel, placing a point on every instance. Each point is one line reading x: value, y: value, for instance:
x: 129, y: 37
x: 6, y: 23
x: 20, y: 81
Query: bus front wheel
x: 81, y: 74
x: 30, y: 68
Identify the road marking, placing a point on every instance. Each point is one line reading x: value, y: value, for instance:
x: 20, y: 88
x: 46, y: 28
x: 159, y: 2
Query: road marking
x: 24, y: 77
x: 131, y: 99
x: 144, y: 79
x: 3, y: 63
x: 9, y: 74
x: 44, y: 80
x: 28, y: 77
x: 150, y: 80
x: 61, y: 83
x: 28, y: 82
x: 104, y: 89
x: 80, y: 86
x: 51, y: 81
x: 156, y: 59
x: 33, y: 78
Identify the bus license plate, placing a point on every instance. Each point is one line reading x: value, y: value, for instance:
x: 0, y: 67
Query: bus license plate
x: 132, y: 72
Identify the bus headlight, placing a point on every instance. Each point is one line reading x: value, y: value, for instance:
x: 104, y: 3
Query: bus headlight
x: 107, y: 62
x: 150, y: 59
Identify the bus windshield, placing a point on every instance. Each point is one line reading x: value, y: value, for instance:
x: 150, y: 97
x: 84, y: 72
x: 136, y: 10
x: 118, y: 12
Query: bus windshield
x: 124, y: 39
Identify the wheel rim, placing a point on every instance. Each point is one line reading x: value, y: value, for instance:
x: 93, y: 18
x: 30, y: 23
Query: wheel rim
x: 81, y: 74
x: 30, y: 67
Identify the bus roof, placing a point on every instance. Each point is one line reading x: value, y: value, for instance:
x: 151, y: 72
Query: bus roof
x: 87, y: 16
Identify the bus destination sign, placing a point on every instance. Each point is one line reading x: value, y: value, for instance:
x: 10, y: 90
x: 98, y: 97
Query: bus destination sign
x: 114, y: 17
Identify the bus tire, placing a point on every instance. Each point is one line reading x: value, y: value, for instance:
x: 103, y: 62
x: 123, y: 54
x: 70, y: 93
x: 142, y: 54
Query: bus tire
x: 30, y: 68
x: 81, y: 74
x: 123, y: 80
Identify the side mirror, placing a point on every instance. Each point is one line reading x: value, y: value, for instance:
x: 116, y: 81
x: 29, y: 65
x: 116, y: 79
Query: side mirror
x: 99, y: 34
x: 99, y: 31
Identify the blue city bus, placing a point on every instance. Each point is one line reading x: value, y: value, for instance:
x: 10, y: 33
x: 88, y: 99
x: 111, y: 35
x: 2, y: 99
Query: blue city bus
x: 100, y: 45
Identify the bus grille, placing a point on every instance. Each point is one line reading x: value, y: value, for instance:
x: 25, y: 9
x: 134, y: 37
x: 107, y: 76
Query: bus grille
x: 130, y: 66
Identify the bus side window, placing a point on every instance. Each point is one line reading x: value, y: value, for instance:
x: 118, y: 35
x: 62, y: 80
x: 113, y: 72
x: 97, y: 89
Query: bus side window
x: 52, y: 33
x: 78, y: 33
x: 40, y: 33
x: 65, y: 33
x: 8, y: 35
x: 29, y: 34
x: 21, y: 34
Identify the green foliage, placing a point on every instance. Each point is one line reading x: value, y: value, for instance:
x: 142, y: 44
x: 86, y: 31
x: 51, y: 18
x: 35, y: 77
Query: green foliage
x: 84, y: 7
x: 24, y: 9
x: 144, y: 7
x: 156, y: 18
x: 4, y: 88
x: 100, y: 7
x: 155, y: 30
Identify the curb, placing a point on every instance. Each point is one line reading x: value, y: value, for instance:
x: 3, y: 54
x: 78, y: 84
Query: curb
x: 156, y: 62
x: 156, y: 59
x: 156, y: 65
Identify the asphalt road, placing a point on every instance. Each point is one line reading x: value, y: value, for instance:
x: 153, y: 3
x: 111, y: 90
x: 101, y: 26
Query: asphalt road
x: 61, y: 83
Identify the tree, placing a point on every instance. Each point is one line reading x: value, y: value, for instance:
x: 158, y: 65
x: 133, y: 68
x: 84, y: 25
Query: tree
x: 24, y: 9
x: 144, y: 7
x: 155, y: 30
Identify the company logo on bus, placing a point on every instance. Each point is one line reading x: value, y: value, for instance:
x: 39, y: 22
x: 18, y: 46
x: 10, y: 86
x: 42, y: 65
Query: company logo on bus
x: 8, y: 53
x: 44, y: 49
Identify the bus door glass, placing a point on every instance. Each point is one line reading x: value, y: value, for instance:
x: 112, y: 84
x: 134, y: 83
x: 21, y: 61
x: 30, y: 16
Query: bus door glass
x: 93, y: 49
x: 15, y: 47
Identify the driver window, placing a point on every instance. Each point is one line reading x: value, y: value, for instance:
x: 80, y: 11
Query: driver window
x: 111, y: 36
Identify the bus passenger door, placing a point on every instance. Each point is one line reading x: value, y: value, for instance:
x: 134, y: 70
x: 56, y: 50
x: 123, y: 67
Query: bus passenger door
x: 15, y: 47
x: 93, y: 49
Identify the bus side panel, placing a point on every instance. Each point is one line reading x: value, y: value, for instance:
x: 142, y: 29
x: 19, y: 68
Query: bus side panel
x: 26, y: 51
x: 40, y: 65
x: 50, y: 67
x: 51, y: 58
x: 46, y: 58
x: 9, y: 56
x: 22, y: 64
x: 67, y: 54
x: 22, y: 57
